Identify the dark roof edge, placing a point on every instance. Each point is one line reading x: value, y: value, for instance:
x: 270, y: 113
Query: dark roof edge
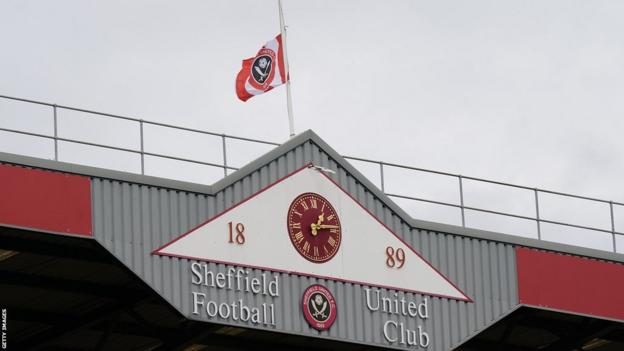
x: 292, y: 143
x: 104, y: 173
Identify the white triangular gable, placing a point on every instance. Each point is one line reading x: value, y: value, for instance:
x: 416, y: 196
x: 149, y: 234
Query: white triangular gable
x: 361, y: 258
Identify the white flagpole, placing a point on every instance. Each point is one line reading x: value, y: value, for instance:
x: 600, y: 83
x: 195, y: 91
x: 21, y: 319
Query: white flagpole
x: 291, y: 121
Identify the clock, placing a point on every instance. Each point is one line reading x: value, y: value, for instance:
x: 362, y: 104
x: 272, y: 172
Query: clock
x: 314, y: 227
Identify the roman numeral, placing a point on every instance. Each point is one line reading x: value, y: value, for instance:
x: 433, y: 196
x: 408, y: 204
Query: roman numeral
x: 316, y: 251
x: 331, y: 241
x: 306, y: 247
x: 298, y: 237
x: 313, y: 203
x: 330, y: 217
x: 304, y: 205
x: 295, y: 225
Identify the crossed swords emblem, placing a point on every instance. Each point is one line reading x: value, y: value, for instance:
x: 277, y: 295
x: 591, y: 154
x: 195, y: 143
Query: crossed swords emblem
x: 263, y: 73
x: 317, y: 301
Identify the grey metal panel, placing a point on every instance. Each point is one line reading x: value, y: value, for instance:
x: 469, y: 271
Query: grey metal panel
x: 131, y: 220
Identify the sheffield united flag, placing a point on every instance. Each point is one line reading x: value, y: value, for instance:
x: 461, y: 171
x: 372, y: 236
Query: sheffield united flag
x: 262, y: 72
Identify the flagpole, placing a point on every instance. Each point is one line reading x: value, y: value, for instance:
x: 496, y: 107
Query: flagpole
x: 291, y: 121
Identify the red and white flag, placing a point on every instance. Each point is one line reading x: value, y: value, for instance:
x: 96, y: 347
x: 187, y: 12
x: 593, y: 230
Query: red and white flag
x: 262, y: 72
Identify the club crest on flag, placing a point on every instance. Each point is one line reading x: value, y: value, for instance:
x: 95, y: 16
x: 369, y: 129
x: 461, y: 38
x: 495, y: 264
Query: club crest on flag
x: 262, y: 69
x: 262, y: 72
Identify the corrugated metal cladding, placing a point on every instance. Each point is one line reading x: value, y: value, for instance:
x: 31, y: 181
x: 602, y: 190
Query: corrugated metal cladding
x: 132, y: 220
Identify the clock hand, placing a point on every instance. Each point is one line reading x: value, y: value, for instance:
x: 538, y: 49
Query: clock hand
x: 317, y: 225
x: 321, y: 218
x: 327, y: 226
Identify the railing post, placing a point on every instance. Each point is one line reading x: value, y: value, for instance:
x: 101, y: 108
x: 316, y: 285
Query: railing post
x: 613, y: 226
x: 381, y: 173
x: 224, y: 155
x: 461, y: 200
x: 537, y: 215
x: 142, y: 148
x: 55, y: 133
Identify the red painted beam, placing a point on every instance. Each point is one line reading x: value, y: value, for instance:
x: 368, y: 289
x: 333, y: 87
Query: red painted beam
x: 46, y: 200
x: 570, y: 283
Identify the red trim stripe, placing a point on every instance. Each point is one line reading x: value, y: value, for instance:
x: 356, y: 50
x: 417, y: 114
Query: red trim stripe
x: 241, y: 78
x: 280, y: 58
x: 46, y: 200
x: 570, y: 283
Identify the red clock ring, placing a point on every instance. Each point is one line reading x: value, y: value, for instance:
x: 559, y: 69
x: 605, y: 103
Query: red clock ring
x: 309, y: 210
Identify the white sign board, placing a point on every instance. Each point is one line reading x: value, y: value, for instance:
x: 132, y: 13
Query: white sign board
x: 306, y: 224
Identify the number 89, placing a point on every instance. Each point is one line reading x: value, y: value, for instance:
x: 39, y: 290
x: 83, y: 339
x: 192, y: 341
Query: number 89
x: 393, y: 256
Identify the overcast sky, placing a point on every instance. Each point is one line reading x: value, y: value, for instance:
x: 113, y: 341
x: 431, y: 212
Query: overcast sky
x: 527, y: 92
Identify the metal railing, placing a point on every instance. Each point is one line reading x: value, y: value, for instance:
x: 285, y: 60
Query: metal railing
x: 141, y: 123
x: 383, y: 167
x: 462, y: 207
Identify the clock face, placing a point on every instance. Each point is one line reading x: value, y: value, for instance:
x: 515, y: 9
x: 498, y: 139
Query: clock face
x: 314, y: 227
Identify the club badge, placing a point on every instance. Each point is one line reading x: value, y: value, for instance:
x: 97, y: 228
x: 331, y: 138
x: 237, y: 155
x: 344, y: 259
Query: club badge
x: 319, y: 307
x: 263, y: 69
